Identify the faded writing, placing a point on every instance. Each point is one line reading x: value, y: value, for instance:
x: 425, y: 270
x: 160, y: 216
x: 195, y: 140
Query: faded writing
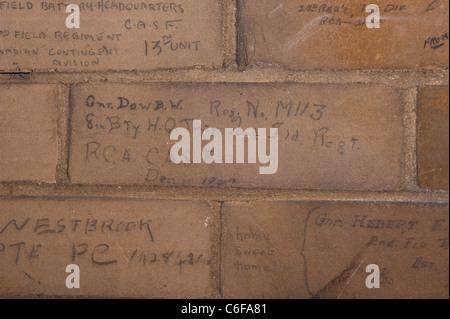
x: 315, y: 242
x: 123, y: 135
x: 125, y: 35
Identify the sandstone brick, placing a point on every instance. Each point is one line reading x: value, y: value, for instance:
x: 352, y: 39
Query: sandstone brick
x: 322, y: 249
x: 315, y: 34
x: 28, y: 133
x: 113, y: 35
x: 330, y: 136
x: 433, y: 137
x: 124, y: 248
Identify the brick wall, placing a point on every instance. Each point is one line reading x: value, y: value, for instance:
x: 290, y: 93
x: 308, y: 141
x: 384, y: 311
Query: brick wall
x: 86, y: 177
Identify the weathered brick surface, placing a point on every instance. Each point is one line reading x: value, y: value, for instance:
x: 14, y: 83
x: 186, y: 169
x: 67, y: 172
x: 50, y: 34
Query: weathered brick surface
x: 433, y: 137
x: 28, y: 133
x: 362, y: 175
x: 314, y: 34
x: 330, y: 136
x: 113, y: 35
x: 321, y: 250
x: 124, y: 248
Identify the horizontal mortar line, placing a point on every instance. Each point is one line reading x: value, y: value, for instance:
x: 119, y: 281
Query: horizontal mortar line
x: 232, y: 67
x: 397, y: 84
x: 222, y: 77
x: 393, y: 84
x: 437, y: 197
x: 233, y: 75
